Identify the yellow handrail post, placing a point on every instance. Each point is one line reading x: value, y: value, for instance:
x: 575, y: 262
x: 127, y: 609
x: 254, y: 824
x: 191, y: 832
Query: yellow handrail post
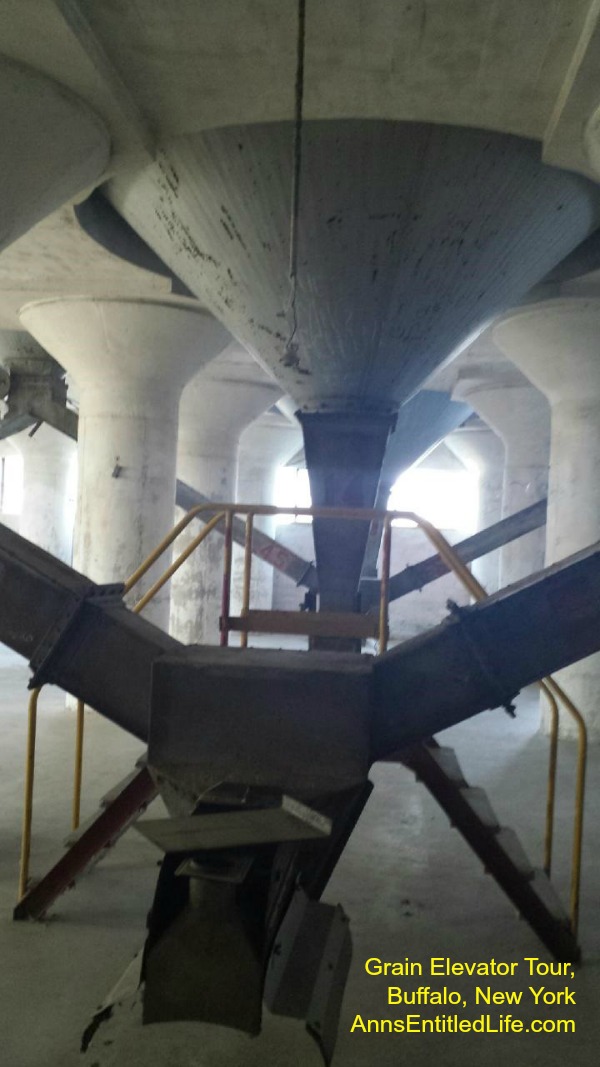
x: 384, y: 596
x: 247, y: 574
x: 78, y: 773
x: 579, y: 798
x: 226, y: 596
x: 163, y: 546
x: 28, y: 801
x: 551, y: 787
x: 177, y: 563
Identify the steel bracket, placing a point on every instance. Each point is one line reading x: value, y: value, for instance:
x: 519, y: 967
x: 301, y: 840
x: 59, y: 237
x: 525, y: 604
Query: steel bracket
x: 55, y: 640
x: 463, y: 616
x: 307, y: 972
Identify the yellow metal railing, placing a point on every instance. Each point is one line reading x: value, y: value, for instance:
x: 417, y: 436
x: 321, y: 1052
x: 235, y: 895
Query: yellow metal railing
x: 25, y: 856
x: 28, y: 798
x: 30, y: 777
x: 551, y: 689
x: 225, y: 512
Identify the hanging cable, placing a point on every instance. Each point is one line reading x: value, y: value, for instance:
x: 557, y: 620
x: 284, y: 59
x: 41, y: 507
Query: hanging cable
x: 291, y: 347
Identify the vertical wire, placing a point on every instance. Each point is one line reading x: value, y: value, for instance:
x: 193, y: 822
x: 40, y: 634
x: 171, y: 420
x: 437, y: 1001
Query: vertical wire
x: 297, y: 168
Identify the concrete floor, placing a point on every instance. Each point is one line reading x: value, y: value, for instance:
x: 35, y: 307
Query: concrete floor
x: 408, y: 882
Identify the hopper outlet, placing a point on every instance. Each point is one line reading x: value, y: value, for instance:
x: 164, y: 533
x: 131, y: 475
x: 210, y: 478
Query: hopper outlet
x: 344, y: 453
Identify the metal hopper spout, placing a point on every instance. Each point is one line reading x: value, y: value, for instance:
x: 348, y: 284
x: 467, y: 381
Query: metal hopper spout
x: 344, y: 454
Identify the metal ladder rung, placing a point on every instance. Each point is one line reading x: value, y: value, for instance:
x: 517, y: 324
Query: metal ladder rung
x: 512, y: 847
x: 479, y: 802
x: 543, y: 888
x: 306, y: 623
x: 105, y: 829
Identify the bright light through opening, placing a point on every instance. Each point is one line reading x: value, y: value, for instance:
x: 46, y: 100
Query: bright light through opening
x: 447, y: 498
x: 11, y: 484
x: 292, y: 490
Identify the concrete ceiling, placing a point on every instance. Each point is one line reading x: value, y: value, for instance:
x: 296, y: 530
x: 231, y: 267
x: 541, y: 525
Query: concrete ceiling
x: 482, y: 358
x: 157, y: 68
x: 497, y: 63
x: 176, y: 66
x: 56, y: 258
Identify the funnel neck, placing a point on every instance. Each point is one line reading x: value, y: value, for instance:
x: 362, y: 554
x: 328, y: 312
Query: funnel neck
x: 344, y: 455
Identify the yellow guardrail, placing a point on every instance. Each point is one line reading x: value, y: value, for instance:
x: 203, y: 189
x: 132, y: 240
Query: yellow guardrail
x: 224, y: 513
x: 28, y: 798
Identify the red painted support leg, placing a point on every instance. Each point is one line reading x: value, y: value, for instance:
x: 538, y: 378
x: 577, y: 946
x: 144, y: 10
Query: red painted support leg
x: 110, y: 824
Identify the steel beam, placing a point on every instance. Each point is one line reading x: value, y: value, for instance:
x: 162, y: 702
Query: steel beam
x: 105, y: 829
x: 493, y: 537
x: 474, y: 660
x: 266, y: 548
x: 108, y: 657
x: 12, y: 424
x: 481, y: 656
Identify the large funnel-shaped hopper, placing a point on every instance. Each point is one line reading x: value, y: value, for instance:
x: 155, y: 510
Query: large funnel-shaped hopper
x: 410, y: 238
x: 53, y: 147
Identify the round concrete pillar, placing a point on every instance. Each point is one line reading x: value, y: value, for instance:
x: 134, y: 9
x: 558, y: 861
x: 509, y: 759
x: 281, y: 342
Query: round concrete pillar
x: 49, y: 487
x: 216, y: 406
x: 557, y: 345
x: 476, y: 446
x: 265, y: 446
x: 519, y: 414
x: 130, y: 360
x: 53, y: 147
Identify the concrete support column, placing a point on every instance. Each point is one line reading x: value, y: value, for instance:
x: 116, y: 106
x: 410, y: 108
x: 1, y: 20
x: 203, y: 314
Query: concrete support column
x: 557, y: 345
x: 130, y: 360
x: 49, y: 485
x: 215, y: 408
x: 477, y: 446
x: 127, y: 443
x: 265, y: 446
x: 519, y: 414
